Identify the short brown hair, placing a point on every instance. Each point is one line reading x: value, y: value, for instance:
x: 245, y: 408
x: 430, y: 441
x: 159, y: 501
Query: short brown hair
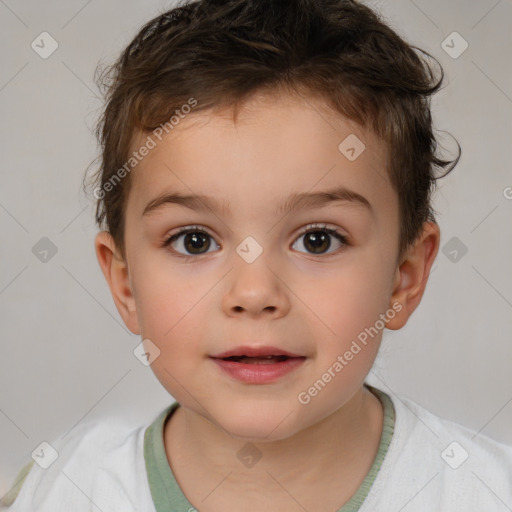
x: 221, y: 52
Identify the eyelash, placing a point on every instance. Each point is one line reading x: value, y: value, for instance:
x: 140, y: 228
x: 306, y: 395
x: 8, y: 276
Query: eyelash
x: 310, y: 228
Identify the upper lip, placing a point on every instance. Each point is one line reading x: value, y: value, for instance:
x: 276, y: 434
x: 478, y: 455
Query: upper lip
x: 254, y: 351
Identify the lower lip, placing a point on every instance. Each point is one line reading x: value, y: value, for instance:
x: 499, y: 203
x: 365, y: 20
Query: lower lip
x: 259, y: 373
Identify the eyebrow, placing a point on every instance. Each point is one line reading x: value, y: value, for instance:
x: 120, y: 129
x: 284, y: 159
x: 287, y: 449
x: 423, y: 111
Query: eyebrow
x: 306, y: 200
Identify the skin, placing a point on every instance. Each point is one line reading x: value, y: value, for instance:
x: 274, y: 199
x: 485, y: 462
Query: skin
x: 315, y: 305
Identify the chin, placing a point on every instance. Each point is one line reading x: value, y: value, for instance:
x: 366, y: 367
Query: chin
x: 260, y: 424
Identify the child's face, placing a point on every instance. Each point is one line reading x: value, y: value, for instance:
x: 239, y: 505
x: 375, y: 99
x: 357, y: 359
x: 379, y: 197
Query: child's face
x: 313, y: 304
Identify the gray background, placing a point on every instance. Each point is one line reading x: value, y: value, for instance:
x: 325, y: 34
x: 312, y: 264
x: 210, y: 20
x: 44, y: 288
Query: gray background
x: 66, y: 356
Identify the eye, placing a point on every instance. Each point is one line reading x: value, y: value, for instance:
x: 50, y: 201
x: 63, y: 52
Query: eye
x: 193, y: 239
x: 317, y: 238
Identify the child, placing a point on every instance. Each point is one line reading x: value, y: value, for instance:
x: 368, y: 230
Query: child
x: 266, y: 179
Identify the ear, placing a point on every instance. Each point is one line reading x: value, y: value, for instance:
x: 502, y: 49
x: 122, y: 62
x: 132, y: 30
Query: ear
x: 412, y: 274
x: 115, y: 270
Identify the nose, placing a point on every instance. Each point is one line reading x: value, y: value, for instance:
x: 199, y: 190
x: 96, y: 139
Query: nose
x: 255, y: 289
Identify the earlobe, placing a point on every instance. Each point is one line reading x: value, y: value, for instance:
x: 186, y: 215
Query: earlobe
x: 115, y: 270
x: 412, y: 274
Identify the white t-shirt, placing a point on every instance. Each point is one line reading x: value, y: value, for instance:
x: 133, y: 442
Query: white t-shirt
x: 424, y: 464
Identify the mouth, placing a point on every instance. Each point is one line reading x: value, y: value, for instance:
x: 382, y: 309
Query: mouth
x: 256, y: 360
x: 255, y: 352
x: 258, y: 365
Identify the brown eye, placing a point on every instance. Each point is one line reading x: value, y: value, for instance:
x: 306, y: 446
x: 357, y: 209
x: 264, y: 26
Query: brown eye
x: 317, y: 240
x: 190, y: 242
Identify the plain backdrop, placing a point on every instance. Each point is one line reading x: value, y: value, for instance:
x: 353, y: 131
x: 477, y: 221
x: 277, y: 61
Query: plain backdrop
x: 66, y: 356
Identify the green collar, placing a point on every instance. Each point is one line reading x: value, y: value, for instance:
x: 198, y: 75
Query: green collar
x: 168, y: 496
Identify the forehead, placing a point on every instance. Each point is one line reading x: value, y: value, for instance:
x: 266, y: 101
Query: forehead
x: 278, y: 146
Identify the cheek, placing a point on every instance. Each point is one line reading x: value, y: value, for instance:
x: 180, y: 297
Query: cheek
x: 174, y: 328
x: 169, y: 310
x: 349, y: 300
x: 166, y: 299
x: 174, y: 306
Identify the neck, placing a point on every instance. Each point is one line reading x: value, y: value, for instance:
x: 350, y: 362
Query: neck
x: 339, y: 448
